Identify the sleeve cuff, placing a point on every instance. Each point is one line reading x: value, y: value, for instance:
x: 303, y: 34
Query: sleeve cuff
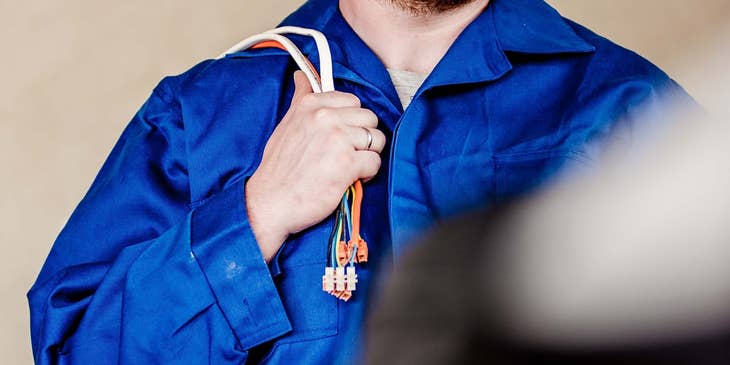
x: 227, y: 252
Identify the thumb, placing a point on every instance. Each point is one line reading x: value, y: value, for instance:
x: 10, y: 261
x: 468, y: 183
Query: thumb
x: 301, y: 86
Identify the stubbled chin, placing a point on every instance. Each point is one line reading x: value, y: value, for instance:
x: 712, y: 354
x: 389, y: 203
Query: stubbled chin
x: 425, y: 7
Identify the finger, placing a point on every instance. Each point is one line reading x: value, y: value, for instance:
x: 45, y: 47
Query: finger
x: 368, y: 164
x: 360, y: 139
x: 333, y: 99
x: 347, y: 117
x: 302, y: 86
x: 358, y: 117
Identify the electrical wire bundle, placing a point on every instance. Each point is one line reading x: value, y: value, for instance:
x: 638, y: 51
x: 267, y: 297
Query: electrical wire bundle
x: 346, y: 247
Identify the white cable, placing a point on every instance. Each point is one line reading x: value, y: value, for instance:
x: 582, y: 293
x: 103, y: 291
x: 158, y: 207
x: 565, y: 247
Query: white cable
x: 323, y: 49
x: 295, y: 53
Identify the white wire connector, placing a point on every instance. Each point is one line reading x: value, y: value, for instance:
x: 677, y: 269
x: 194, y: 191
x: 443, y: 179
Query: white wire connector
x: 339, y: 281
x: 351, y: 278
x: 328, y: 279
x: 340, y: 284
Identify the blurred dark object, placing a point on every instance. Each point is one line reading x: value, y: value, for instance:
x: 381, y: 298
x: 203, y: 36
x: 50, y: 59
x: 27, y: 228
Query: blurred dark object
x: 441, y: 309
x: 627, y: 264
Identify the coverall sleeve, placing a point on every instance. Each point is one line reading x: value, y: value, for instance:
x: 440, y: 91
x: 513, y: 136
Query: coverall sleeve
x: 137, y: 276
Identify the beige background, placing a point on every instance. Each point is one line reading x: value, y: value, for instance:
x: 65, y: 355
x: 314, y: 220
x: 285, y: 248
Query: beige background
x: 74, y: 72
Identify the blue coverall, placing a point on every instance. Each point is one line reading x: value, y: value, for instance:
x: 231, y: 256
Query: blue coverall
x: 158, y: 264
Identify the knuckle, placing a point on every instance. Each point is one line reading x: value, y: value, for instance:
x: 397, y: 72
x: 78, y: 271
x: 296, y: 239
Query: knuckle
x: 378, y: 141
x: 340, y: 160
x: 348, y: 159
x: 372, y: 118
x: 336, y: 133
x: 323, y: 114
x: 377, y: 133
x: 308, y: 99
x: 331, y: 186
x: 376, y: 161
x: 370, y: 165
x: 350, y: 100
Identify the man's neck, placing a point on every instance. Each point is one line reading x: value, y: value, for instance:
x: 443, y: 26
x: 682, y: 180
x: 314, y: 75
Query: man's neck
x: 407, y: 41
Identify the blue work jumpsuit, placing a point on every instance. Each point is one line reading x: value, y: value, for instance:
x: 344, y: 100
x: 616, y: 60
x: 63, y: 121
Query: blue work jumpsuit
x: 158, y: 264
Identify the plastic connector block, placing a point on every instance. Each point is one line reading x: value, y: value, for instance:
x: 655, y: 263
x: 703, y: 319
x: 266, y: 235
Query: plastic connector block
x: 340, y: 281
x: 340, y: 284
x: 328, y: 279
x: 350, y: 278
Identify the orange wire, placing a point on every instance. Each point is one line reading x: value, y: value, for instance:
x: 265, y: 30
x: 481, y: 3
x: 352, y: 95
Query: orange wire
x: 275, y: 44
x: 269, y: 44
x: 357, y: 203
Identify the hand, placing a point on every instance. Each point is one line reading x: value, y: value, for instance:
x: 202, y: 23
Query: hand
x: 313, y: 155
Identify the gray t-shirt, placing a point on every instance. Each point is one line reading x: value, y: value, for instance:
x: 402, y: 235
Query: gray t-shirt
x: 406, y: 84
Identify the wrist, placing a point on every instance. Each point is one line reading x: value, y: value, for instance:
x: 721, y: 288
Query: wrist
x: 270, y: 234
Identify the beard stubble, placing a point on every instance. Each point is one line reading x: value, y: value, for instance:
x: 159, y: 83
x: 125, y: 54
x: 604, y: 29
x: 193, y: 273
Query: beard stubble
x: 426, y: 7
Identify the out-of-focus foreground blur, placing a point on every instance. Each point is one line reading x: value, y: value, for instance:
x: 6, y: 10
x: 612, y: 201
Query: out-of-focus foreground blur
x: 624, y: 262
x: 74, y: 72
x: 627, y: 263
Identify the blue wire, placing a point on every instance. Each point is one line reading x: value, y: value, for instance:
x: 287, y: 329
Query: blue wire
x: 347, y: 215
x: 346, y: 226
x: 335, y: 239
x: 354, y: 254
x: 354, y: 251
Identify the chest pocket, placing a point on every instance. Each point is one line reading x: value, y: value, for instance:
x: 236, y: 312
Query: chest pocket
x: 460, y: 183
x: 520, y: 173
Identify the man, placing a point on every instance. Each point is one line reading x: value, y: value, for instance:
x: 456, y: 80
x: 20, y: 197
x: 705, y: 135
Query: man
x: 203, y: 239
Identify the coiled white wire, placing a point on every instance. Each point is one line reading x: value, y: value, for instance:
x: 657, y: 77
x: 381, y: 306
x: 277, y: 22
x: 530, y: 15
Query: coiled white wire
x: 323, y: 49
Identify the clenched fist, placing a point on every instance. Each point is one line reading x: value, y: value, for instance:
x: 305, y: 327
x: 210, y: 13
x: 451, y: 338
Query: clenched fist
x: 317, y: 151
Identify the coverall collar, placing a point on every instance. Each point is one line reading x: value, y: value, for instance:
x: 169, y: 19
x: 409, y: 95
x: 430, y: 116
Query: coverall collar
x: 480, y: 52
